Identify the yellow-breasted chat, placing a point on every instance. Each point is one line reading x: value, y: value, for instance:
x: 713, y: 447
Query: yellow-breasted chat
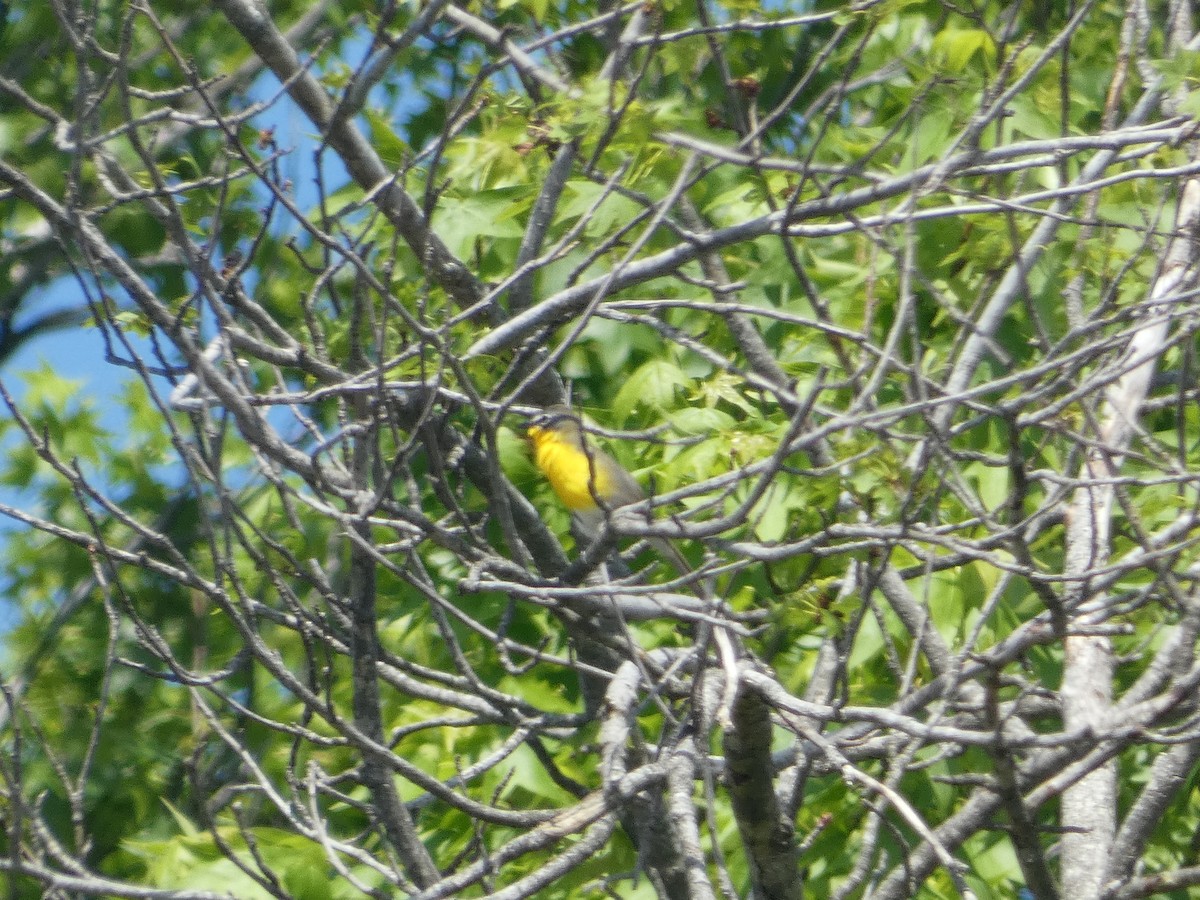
x: 589, y: 482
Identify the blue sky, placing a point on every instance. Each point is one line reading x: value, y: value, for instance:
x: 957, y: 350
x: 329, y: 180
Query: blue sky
x: 78, y: 353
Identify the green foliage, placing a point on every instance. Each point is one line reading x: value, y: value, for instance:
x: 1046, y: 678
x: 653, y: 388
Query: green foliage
x: 210, y: 541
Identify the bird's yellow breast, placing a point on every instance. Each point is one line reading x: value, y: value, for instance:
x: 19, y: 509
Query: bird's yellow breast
x: 576, y: 478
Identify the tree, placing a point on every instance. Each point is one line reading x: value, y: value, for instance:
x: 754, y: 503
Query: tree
x: 890, y: 307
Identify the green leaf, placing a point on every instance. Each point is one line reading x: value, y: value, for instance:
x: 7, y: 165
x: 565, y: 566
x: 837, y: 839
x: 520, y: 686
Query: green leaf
x: 953, y: 49
x: 654, y: 385
x: 491, y: 213
x: 185, y: 824
x: 392, y: 149
x: 605, y: 209
x: 693, y: 420
x: 47, y: 389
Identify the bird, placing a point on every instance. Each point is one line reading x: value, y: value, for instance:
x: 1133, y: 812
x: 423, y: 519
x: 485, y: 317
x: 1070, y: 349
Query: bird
x: 589, y: 482
x: 592, y: 484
